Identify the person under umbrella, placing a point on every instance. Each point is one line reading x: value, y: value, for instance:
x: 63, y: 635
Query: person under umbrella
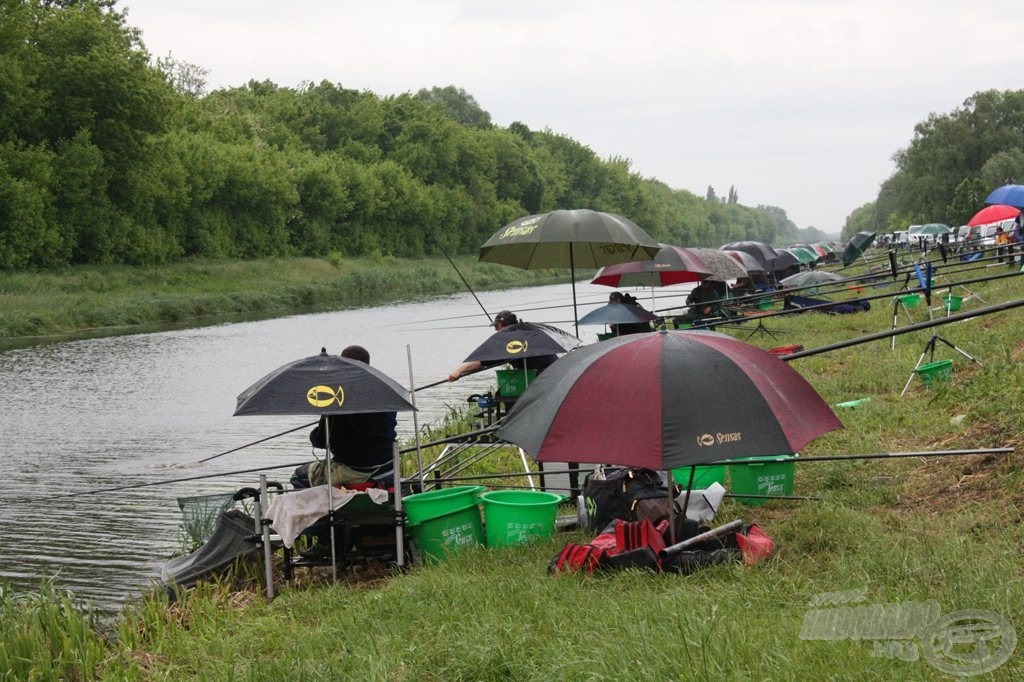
x: 504, y: 320
x: 702, y: 301
x: 361, y: 448
x: 623, y: 328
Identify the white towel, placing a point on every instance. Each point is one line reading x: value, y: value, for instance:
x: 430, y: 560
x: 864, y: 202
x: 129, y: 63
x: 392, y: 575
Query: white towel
x: 292, y: 513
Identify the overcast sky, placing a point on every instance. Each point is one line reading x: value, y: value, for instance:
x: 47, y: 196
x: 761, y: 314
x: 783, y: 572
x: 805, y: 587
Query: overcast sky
x: 798, y: 104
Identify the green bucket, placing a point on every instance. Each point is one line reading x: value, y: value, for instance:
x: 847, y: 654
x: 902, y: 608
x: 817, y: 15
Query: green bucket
x: 518, y: 517
x: 434, y: 503
x: 440, y: 537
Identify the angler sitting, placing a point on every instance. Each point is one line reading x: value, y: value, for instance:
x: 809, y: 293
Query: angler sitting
x: 361, y: 449
x: 703, y: 302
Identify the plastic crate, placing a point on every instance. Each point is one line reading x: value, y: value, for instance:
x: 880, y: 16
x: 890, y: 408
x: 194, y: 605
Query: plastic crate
x: 703, y: 476
x: 512, y: 382
x: 761, y: 476
x: 952, y: 303
x: 931, y: 372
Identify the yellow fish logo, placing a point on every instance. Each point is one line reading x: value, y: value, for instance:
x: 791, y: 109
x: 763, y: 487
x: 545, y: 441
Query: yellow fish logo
x: 515, y: 347
x: 325, y: 396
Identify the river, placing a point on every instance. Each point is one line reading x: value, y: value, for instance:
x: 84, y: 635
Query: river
x: 84, y: 416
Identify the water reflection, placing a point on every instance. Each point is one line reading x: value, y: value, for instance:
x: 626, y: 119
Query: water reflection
x: 101, y: 413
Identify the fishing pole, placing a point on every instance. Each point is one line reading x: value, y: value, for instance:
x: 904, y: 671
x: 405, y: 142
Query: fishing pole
x: 459, y: 273
x: 908, y: 271
x: 927, y: 324
x: 889, y: 455
x: 829, y: 304
x: 242, y: 447
x: 175, y: 480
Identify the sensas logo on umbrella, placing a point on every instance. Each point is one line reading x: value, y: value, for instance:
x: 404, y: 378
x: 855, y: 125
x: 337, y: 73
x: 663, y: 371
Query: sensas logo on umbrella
x: 516, y: 347
x: 325, y: 396
x: 707, y: 440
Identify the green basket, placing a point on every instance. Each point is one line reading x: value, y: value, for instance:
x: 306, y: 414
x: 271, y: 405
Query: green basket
x: 952, y: 303
x: 910, y: 300
x: 512, y: 382
x: 682, y: 325
x: 761, y: 476
x: 765, y: 304
x: 518, y: 517
x: 931, y: 372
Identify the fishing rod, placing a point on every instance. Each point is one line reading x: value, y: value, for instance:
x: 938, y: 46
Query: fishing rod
x: 242, y: 447
x: 459, y: 273
x: 886, y: 455
x: 186, y: 479
x: 927, y: 324
x: 907, y: 271
x: 829, y: 304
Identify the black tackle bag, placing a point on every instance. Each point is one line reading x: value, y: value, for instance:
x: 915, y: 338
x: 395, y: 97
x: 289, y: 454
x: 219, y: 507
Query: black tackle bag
x: 625, y: 494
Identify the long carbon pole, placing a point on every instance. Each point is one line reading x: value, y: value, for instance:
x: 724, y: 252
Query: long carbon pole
x: 905, y: 330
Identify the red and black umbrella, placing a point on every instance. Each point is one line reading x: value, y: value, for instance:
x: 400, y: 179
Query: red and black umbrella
x: 667, y: 400
x: 671, y: 265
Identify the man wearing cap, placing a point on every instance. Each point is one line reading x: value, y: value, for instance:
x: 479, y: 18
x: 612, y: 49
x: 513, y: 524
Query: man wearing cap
x: 503, y: 319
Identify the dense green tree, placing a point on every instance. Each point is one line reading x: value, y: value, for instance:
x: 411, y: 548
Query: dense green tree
x: 981, y: 139
x: 109, y: 156
x: 968, y: 199
x: 457, y: 104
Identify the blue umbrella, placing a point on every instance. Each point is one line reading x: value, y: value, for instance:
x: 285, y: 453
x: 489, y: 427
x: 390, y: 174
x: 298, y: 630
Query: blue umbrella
x: 1011, y: 195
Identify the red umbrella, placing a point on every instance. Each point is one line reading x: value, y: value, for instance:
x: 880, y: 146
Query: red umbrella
x: 666, y: 400
x: 993, y: 214
x: 670, y: 265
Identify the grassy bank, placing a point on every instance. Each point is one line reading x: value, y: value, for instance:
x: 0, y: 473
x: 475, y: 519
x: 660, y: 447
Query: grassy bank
x: 98, y: 300
x: 896, y: 533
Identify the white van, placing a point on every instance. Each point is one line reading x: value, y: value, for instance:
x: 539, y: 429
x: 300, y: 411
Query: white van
x: 985, y: 235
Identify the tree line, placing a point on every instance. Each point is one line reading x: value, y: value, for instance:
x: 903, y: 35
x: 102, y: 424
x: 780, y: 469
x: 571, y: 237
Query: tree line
x: 110, y: 156
x: 951, y: 165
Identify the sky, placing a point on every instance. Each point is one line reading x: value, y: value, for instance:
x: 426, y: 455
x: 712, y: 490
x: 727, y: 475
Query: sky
x: 798, y: 104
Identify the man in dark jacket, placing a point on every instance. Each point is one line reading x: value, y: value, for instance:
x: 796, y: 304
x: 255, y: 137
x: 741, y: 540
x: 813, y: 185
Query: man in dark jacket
x: 361, y: 444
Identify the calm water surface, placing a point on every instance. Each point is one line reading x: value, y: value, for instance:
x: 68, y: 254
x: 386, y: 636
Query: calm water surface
x: 84, y: 416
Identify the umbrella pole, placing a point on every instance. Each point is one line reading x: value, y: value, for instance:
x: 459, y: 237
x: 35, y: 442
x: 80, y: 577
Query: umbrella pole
x: 572, y: 276
x: 671, y: 509
x: 686, y: 499
x: 415, y: 421
x: 330, y: 502
x: 261, y: 504
x: 399, y: 514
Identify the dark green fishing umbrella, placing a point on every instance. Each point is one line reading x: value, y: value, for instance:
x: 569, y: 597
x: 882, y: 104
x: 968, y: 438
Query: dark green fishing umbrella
x: 857, y: 245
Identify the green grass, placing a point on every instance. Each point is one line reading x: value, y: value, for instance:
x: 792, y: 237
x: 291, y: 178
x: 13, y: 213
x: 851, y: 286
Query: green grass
x: 894, y: 531
x: 98, y: 300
